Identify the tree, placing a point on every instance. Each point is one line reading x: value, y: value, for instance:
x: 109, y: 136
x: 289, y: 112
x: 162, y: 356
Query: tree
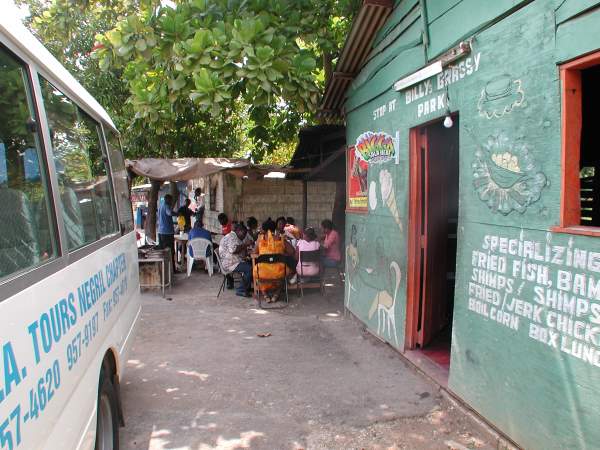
x: 263, y: 56
x: 68, y: 28
x: 205, y: 78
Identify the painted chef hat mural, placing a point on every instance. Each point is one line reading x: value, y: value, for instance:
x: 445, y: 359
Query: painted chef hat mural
x: 500, y: 96
x: 506, y: 175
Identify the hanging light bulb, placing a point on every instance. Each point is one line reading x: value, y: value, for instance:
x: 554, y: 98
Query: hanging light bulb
x: 448, y: 122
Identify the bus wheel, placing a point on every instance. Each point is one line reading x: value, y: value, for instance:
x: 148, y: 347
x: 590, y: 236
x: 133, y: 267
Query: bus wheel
x: 107, y: 425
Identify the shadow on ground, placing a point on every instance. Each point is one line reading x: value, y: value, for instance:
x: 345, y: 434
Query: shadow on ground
x: 200, y: 377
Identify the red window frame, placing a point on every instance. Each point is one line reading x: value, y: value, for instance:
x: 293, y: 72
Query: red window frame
x: 571, y: 118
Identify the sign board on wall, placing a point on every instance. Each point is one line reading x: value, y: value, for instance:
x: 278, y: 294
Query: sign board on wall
x: 370, y: 148
x: 356, y: 174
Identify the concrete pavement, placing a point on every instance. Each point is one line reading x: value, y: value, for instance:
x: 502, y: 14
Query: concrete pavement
x: 200, y: 377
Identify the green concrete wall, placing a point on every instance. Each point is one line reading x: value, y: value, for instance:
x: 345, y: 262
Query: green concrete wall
x: 525, y: 362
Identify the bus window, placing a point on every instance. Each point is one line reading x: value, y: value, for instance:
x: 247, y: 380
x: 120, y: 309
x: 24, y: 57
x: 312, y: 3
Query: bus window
x: 86, y: 194
x: 26, y: 237
x: 119, y: 176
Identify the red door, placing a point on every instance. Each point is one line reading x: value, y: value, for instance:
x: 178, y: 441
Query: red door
x: 434, y: 209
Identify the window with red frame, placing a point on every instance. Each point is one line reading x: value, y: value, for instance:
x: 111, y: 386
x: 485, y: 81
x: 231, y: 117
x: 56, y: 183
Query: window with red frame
x: 580, y: 205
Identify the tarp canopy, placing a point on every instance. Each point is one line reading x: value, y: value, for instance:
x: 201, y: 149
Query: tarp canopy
x: 183, y: 169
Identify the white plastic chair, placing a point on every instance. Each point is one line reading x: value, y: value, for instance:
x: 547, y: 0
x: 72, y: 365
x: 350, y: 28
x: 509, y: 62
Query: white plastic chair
x: 199, y: 246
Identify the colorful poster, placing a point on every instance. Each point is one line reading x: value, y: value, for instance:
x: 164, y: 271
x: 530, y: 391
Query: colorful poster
x: 357, y: 172
x: 375, y: 148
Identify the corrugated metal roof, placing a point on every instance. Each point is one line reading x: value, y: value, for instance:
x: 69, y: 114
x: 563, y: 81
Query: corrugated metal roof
x: 371, y: 16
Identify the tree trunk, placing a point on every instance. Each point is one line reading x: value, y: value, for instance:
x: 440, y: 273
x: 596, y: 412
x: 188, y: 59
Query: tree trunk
x: 328, y: 69
x: 152, y: 205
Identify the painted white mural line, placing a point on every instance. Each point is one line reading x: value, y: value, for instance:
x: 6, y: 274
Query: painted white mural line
x: 388, y: 195
x: 384, y: 304
x: 351, y: 263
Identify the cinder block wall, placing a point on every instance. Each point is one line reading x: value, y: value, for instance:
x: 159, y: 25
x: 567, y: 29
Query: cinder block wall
x: 240, y: 199
x: 321, y: 196
x: 271, y: 198
x: 276, y: 197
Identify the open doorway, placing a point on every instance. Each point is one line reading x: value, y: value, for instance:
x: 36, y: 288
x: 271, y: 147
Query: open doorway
x: 432, y: 240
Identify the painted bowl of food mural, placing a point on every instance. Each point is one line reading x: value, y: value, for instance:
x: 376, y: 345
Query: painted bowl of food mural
x: 506, y: 175
x: 504, y: 169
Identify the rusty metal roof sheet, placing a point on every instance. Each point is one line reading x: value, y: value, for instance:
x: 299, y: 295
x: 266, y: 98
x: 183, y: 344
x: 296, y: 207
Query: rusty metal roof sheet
x: 371, y: 16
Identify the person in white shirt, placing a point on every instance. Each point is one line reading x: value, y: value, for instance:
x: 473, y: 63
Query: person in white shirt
x: 233, y: 251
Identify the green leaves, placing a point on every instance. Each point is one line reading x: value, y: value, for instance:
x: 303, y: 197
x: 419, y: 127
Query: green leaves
x: 202, y: 5
x: 115, y: 38
x: 223, y: 57
x: 264, y: 54
x: 141, y: 45
x: 124, y: 50
x: 247, y: 30
x: 175, y: 25
x: 210, y: 93
x: 205, y: 81
x: 304, y: 62
x: 177, y: 83
x: 201, y: 40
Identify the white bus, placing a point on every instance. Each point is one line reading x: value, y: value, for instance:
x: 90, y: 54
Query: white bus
x: 69, y: 286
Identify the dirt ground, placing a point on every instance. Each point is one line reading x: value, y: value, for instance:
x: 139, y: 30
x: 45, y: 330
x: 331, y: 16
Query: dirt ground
x: 199, y: 377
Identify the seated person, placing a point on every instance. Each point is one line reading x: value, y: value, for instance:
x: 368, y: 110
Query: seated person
x: 199, y: 232
x: 308, y: 243
x: 331, y: 243
x: 233, y: 252
x: 268, y: 227
x: 225, y: 224
x: 290, y: 250
x: 280, y: 223
x: 264, y: 228
x: 253, y: 230
x: 269, y: 243
x: 226, y: 227
x: 291, y: 230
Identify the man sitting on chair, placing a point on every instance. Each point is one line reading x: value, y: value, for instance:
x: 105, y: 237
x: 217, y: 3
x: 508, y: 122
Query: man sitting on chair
x: 233, y: 251
x: 199, y: 232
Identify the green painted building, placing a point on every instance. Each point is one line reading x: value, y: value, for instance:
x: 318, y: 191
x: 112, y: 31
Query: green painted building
x: 473, y: 214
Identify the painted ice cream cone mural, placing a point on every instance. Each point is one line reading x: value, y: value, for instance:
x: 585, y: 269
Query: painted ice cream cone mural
x: 388, y: 195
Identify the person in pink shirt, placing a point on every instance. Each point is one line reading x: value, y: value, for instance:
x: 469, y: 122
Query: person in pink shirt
x: 331, y: 244
x: 308, y: 243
